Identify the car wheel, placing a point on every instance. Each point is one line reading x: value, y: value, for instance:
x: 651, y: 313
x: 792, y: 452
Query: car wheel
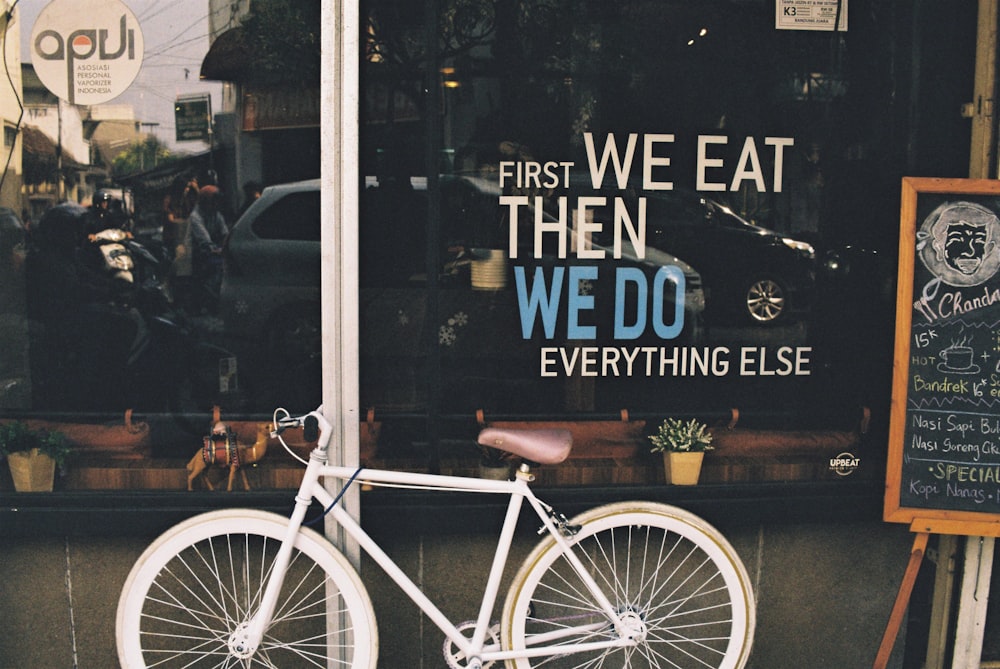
x: 765, y: 301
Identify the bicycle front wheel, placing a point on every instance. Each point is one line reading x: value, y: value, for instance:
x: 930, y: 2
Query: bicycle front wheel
x: 673, y: 579
x: 196, y: 586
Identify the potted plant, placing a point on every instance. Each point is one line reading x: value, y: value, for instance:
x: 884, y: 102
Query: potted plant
x: 683, y: 445
x: 33, y: 455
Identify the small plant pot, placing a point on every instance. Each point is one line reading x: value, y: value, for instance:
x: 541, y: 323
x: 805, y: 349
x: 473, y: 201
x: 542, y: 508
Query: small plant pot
x: 682, y: 468
x: 490, y: 273
x: 32, y: 471
x: 499, y: 471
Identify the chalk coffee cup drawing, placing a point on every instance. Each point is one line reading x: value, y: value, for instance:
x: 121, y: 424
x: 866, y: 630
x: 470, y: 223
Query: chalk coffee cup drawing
x: 958, y: 359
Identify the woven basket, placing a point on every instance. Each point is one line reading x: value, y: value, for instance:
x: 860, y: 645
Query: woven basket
x: 32, y: 471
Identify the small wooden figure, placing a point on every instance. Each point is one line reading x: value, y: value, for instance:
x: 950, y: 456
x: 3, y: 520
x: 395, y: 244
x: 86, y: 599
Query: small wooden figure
x: 222, y: 449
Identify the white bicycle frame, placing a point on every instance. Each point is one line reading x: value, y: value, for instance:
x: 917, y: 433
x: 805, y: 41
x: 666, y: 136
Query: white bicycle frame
x: 518, y: 490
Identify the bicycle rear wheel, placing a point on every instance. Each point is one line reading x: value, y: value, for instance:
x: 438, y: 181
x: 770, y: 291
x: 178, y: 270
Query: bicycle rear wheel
x: 201, y: 580
x: 673, y: 576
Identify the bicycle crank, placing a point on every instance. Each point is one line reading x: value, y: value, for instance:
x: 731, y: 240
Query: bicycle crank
x: 456, y: 658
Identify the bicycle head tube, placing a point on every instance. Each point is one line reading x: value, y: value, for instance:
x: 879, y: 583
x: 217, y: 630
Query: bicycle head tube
x: 315, y: 427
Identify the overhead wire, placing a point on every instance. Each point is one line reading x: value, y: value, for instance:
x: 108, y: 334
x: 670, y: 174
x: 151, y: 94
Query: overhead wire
x: 148, y: 13
x: 172, y: 44
x: 8, y: 17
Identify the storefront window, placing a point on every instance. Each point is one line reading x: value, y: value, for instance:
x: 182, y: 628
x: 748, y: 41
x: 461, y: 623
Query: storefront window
x: 535, y: 167
x: 125, y: 274
x: 598, y: 214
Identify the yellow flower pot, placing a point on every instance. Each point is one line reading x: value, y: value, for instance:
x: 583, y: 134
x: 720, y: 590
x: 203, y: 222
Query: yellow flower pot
x: 32, y: 471
x: 682, y: 468
x: 490, y: 273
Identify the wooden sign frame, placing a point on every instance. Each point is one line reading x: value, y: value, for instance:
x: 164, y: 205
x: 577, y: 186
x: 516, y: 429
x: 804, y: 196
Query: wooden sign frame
x: 929, y: 519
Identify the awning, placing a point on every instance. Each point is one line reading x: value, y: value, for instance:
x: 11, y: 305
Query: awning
x: 160, y: 178
x: 228, y: 59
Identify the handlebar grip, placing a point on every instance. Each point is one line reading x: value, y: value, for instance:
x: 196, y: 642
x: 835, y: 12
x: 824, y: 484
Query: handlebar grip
x: 310, y: 428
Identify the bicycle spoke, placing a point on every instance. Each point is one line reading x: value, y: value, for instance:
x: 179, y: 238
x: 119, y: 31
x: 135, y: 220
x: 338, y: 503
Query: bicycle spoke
x: 202, y: 583
x: 674, y: 590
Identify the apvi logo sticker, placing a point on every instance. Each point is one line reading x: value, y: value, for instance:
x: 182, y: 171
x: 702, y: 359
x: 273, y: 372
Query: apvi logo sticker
x: 86, y: 51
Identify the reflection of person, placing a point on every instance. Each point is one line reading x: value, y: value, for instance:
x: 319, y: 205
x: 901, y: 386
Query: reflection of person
x: 176, y: 226
x: 107, y: 211
x: 208, y: 233
x: 14, y: 390
x: 11, y: 263
x: 86, y: 337
x: 251, y: 192
x: 958, y: 243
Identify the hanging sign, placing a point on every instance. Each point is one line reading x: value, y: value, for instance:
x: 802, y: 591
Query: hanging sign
x: 193, y: 117
x: 811, y: 15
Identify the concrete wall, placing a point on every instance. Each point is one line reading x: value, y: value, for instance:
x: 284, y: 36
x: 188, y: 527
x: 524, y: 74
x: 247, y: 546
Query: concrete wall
x: 824, y: 593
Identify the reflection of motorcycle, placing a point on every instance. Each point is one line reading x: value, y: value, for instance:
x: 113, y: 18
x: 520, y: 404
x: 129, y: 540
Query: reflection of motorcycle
x: 106, y: 337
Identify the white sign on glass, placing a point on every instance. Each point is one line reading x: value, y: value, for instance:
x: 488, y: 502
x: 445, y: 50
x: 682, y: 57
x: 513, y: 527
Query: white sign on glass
x: 810, y: 15
x: 86, y: 51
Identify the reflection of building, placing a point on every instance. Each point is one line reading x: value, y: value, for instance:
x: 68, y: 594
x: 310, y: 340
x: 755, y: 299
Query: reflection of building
x: 268, y: 127
x: 68, y: 149
x: 56, y: 154
x: 10, y: 43
x: 111, y: 129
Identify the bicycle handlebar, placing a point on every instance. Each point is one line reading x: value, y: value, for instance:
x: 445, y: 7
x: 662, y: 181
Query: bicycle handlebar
x: 312, y: 424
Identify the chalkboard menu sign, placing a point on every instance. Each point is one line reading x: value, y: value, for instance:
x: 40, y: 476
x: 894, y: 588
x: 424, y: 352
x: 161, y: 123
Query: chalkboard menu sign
x: 944, y: 441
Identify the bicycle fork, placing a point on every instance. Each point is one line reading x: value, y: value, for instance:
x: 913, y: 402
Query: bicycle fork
x: 246, y: 638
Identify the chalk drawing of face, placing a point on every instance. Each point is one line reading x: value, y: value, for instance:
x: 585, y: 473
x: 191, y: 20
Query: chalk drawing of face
x: 965, y: 246
x: 958, y: 243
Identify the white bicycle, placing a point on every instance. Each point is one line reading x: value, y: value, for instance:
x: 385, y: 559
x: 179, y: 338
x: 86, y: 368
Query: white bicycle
x: 630, y: 584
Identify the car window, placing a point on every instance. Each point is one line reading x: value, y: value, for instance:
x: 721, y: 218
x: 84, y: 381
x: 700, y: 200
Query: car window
x: 726, y: 218
x: 670, y: 211
x: 293, y: 217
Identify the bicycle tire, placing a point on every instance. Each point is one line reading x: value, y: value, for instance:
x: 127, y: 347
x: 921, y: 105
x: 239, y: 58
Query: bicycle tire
x: 201, y: 579
x: 667, y: 568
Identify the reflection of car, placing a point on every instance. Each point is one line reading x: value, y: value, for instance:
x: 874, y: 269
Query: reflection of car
x: 470, y: 198
x: 270, y: 292
x: 269, y: 300
x: 752, y: 272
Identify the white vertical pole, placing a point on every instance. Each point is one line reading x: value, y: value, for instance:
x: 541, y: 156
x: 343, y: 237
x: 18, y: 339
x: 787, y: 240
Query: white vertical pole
x: 339, y: 239
x: 339, y: 78
x: 975, y: 596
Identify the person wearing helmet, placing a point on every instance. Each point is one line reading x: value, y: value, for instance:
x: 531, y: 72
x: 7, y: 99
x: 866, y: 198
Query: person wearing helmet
x: 108, y: 211
x: 87, y: 331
